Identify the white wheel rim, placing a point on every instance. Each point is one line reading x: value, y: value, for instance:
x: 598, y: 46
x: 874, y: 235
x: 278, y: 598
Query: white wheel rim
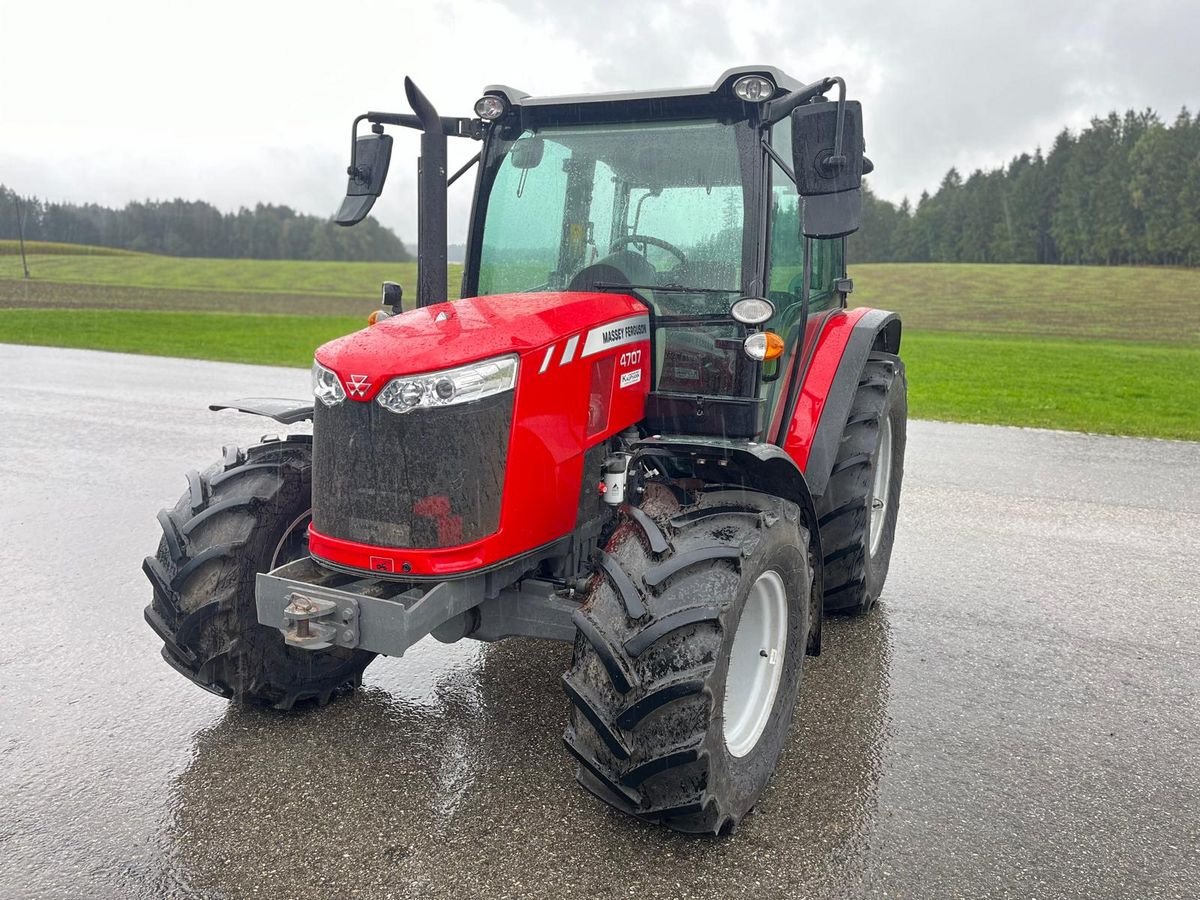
x: 755, y: 663
x: 882, y: 483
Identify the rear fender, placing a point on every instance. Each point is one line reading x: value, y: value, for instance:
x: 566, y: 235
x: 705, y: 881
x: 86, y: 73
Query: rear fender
x: 760, y: 467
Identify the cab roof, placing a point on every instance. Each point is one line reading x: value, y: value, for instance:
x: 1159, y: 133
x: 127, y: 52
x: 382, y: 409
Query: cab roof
x: 721, y: 89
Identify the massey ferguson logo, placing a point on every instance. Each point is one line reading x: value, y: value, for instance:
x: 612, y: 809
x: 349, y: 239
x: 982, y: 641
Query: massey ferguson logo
x: 357, y: 385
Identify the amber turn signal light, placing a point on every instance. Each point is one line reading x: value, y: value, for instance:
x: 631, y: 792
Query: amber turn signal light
x: 378, y: 316
x: 763, y: 345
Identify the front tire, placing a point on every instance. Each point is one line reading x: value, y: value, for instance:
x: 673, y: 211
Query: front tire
x: 688, y: 658
x: 247, y: 514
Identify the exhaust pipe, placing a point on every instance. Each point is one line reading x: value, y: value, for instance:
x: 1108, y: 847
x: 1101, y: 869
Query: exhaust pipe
x: 431, y: 200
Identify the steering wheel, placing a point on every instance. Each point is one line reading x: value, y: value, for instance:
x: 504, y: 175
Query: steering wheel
x: 623, y: 242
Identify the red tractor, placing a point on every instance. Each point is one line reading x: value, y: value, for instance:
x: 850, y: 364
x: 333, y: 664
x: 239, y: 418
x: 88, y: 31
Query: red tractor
x: 650, y: 427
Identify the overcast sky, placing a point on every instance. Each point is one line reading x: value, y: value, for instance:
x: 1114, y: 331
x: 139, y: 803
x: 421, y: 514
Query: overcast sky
x: 238, y: 103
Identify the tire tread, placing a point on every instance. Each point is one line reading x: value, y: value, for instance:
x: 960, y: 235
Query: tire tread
x: 209, y: 626
x: 641, y: 687
x: 842, y: 511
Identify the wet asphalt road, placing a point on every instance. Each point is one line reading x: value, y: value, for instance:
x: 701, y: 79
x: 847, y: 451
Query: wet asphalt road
x: 1018, y: 719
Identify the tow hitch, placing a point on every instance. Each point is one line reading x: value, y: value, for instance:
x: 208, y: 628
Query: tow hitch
x: 314, y: 623
x: 315, y: 608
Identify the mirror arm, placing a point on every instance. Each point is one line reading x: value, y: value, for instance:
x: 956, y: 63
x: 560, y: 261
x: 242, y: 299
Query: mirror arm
x: 779, y: 160
x: 463, y: 171
x: 450, y: 126
x: 839, y: 159
x: 404, y: 120
x: 463, y: 128
x: 352, y: 169
x: 777, y: 110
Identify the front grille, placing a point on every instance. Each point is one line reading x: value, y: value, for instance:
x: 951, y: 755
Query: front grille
x: 424, y: 479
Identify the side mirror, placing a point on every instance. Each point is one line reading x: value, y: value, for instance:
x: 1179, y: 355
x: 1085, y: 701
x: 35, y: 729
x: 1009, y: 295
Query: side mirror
x: 368, y: 171
x: 828, y: 170
x: 393, y: 296
x: 527, y: 152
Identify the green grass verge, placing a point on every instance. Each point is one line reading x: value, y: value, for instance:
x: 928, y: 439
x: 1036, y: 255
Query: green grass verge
x: 1107, y: 387
x: 271, y: 340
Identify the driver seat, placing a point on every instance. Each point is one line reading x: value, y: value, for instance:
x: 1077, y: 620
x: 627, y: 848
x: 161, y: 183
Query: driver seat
x: 622, y: 267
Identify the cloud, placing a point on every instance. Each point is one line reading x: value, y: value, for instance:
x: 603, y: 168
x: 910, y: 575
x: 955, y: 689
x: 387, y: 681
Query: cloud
x: 942, y: 83
x: 240, y: 103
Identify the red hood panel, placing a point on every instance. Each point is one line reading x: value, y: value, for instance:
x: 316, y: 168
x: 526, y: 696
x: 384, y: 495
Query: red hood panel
x: 450, y: 334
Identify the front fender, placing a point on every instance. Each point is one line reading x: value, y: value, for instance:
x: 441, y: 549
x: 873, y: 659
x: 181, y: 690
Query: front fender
x: 285, y: 412
x: 761, y: 467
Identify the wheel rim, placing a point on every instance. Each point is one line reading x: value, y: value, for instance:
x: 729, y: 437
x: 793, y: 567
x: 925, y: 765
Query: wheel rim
x: 882, y: 483
x: 755, y: 663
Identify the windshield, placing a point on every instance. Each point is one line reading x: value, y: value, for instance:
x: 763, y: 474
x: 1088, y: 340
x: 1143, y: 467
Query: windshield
x: 655, y: 205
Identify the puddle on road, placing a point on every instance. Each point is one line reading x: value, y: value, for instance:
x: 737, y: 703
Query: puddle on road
x: 445, y: 774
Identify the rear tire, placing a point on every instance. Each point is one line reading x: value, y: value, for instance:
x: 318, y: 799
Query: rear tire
x: 247, y: 514
x: 858, y: 510
x: 649, y: 683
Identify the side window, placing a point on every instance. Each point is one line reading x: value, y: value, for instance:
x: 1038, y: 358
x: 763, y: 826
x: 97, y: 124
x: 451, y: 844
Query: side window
x: 827, y: 258
x: 786, y: 276
x: 787, y: 248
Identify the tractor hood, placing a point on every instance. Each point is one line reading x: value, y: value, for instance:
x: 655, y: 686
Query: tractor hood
x: 445, y: 335
x: 444, y: 490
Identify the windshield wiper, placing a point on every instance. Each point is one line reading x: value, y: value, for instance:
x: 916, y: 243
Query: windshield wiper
x: 665, y: 288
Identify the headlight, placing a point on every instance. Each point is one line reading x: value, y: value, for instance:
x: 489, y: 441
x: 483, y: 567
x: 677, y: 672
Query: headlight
x: 326, y: 386
x: 752, y: 310
x: 490, y: 107
x: 449, y: 387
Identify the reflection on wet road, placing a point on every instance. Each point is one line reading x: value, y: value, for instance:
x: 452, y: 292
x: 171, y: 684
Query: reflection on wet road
x: 1017, y: 719
x: 469, y: 791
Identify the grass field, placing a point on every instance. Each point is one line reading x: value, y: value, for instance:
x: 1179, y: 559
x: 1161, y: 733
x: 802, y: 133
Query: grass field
x: 1112, y: 303
x: 243, y: 276
x: 51, y: 248
x: 1154, y: 305
x: 1082, y: 348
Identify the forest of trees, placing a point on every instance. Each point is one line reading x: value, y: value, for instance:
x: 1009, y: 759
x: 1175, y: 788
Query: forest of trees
x: 1125, y: 190
x: 196, y: 228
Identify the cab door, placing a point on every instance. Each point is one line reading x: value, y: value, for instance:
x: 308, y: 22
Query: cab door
x: 786, y: 264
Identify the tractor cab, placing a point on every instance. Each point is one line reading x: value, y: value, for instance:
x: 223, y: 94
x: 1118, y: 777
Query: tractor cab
x: 687, y: 200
